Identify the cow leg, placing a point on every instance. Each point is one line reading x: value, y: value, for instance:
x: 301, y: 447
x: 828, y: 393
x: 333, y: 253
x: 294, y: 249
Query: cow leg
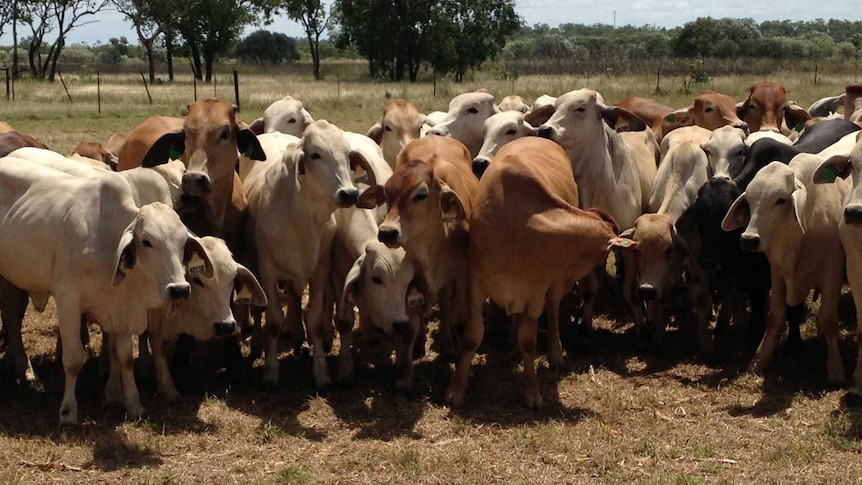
x: 144, y: 363
x: 445, y: 342
x: 703, y: 307
x: 827, y: 319
x: 527, y: 332
x: 589, y: 293
x: 555, y: 346
x: 774, y: 325
x: 345, y: 349
x: 164, y: 382
x: 126, y: 363
x: 274, y: 322
x: 474, y: 331
x: 419, y: 343
x: 405, y: 346
x: 295, y: 327
x: 74, y: 355
x: 794, y: 317
x: 13, y: 305
x: 182, y: 357
x: 656, y: 322
x: 317, y: 325
x: 258, y: 337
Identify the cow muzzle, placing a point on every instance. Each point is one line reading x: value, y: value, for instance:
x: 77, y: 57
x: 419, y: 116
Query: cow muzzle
x: 389, y: 236
x: 346, y: 197
x: 853, y: 214
x: 196, y: 184
x: 224, y: 329
x: 480, y: 164
x: 750, y: 242
x: 179, y: 291
x: 546, y: 132
x: 647, y: 292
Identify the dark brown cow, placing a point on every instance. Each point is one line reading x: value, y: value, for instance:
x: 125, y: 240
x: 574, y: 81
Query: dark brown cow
x: 653, y: 113
x: 13, y: 140
x: 767, y: 107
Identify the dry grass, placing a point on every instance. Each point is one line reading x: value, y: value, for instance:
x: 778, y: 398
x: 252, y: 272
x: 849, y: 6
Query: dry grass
x: 620, y: 415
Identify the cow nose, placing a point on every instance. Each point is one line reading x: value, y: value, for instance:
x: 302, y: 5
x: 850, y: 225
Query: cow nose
x: 480, y: 164
x: 388, y: 235
x: 721, y: 177
x: 401, y: 326
x: 347, y: 197
x: 647, y: 292
x: 179, y: 290
x: 546, y: 132
x: 196, y: 184
x: 224, y: 329
x: 853, y: 214
x: 742, y: 126
x: 749, y: 242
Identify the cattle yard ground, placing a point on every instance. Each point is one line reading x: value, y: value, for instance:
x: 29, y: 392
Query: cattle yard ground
x: 618, y: 415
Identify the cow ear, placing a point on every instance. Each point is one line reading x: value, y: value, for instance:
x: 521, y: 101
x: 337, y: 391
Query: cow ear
x: 308, y: 119
x: 742, y: 109
x: 687, y: 222
x: 625, y: 119
x: 799, y: 198
x: 169, y: 146
x: 258, y: 127
x: 126, y: 254
x: 682, y: 117
x: 375, y: 133
x: 826, y: 106
x: 795, y: 116
x: 249, y: 146
x: 357, y: 159
x: 531, y: 130
x: 247, y: 281
x: 538, y: 117
x: 351, y: 288
x: 624, y: 240
x: 738, y: 214
x: 451, y: 205
x: 371, y: 197
x: 196, y: 259
x: 834, y: 167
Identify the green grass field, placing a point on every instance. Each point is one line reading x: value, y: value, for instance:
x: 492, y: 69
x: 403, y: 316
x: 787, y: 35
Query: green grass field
x: 619, y: 415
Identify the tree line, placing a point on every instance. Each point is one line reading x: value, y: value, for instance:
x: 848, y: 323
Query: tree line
x: 400, y: 38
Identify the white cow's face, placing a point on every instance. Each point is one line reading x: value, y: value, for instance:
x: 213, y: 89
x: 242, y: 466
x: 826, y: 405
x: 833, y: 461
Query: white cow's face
x: 577, y: 119
x: 726, y: 150
x: 323, y: 158
x: 465, y: 119
x: 287, y: 116
x: 498, y: 130
x: 378, y: 283
x: 841, y: 166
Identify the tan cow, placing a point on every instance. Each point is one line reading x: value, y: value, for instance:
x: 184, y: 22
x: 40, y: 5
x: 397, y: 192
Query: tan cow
x: 795, y: 223
x: 767, y: 108
x: 653, y: 113
x: 710, y: 110
x: 4, y: 127
x: 400, y: 124
x: 429, y: 199
x: 529, y: 243
x: 513, y: 102
x: 96, y: 151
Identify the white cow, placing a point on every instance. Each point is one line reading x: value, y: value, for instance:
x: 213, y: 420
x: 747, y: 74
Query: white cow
x: 83, y: 240
x: 465, y: 119
x: 289, y: 231
x: 795, y: 223
x: 726, y: 150
x: 287, y: 115
x: 850, y: 231
x: 615, y: 171
x: 513, y: 102
x: 273, y: 144
x: 498, y: 130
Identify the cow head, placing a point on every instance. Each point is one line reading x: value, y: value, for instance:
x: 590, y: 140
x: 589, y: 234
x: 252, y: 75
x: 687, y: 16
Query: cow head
x: 400, y: 124
x: 287, y: 115
x: 322, y: 161
x: 96, y: 151
x: 419, y: 202
x: 513, y: 102
x: 378, y: 284
x: 498, y: 130
x: 466, y: 116
x: 661, y: 253
x: 710, y: 110
x: 842, y: 166
x: 726, y: 150
x: 773, y: 203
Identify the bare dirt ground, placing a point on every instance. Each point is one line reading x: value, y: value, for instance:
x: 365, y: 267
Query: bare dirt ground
x: 619, y: 415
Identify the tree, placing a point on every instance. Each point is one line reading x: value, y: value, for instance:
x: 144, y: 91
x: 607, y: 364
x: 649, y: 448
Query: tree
x: 315, y: 20
x: 264, y: 47
x: 151, y: 19
x: 46, y: 16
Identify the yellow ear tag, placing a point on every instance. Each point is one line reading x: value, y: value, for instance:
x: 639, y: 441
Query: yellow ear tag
x: 362, y: 179
x: 415, y: 298
x: 243, y: 296
x: 196, y: 264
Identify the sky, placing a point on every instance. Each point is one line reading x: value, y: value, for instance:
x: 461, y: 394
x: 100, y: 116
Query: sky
x: 670, y: 13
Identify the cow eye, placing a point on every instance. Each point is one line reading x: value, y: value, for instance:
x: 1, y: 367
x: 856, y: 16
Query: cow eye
x: 292, y: 120
x: 751, y: 106
x: 780, y: 201
x: 147, y: 243
x: 225, y: 135
x: 510, y: 132
x: 376, y: 280
x: 315, y: 156
x: 472, y: 111
x: 387, y: 128
x: 708, y: 110
x: 581, y: 109
x: 420, y: 196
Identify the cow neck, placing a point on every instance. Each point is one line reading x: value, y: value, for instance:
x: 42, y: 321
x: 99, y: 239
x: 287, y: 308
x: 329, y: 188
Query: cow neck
x: 217, y: 202
x: 441, y: 251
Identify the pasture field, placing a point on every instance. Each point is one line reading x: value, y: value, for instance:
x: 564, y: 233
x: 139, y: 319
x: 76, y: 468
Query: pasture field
x: 618, y: 415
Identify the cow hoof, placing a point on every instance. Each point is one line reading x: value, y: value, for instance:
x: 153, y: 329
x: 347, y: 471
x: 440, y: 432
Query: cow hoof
x: 269, y: 386
x: 558, y: 365
x: 454, y: 397
x: 533, y: 402
x: 135, y: 411
x: 169, y: 394
x: 324, y: 388
x: 852, y: 399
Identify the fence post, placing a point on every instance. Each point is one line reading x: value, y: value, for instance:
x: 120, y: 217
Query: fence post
x: 195, y: 83
x: 99, y: 91
x: 236, y: 89
x: 215, y: 91
x: 8, y: 96
x: 146, y: 87
x: 815, y: 74
x: 64, y: 85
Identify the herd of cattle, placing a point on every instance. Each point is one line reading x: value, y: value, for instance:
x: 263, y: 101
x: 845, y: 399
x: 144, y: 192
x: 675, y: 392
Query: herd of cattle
x: 744, y: 208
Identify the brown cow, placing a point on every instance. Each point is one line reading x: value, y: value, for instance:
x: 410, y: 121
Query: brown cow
x: 529, y: 244
x: 710, y: 110
x: 429, y: 198
x: 398, y: 126
x: 13, y: 140
x: 96, y: 151
x: 653, y: 113
x: 4, y: 127
x: 766, y: 108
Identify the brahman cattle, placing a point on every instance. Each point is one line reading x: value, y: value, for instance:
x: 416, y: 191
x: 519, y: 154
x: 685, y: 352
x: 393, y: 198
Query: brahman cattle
x: 83, y: 241
x: 96, y: 151
x: 498, y: 130
x: 652, y: 113
x: 400, y: 124
x: 289, y: 232
x: 795, y: 224
x: 13, y: 140
x: 850, y: 101
x: 726, y: 151
x: 767, y: 107
x: 429, y: 199
x: 513, y: 102
x: 287, y: 115
x: 465, y: 118
x: 710, y: 110
x: 529, y: 244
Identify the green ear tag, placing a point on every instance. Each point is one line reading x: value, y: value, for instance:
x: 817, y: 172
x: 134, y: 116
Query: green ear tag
x: 828, y: 173
x: 249, y: 151
x: 800, y: 126
x: 670, y: 118
x: 174, y: 154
